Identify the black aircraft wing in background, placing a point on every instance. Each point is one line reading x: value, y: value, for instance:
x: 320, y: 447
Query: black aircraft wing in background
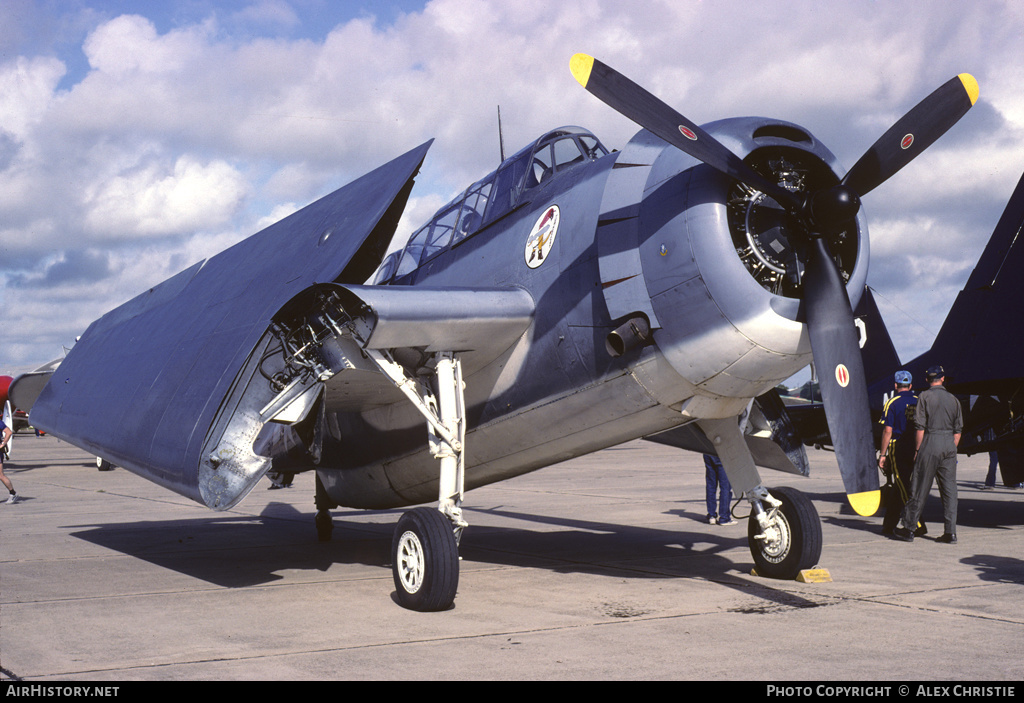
x: 980, y: 342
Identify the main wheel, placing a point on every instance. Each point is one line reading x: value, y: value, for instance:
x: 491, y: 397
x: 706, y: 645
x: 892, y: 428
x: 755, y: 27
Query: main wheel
x: 792, y: 542
x: 425, y: 560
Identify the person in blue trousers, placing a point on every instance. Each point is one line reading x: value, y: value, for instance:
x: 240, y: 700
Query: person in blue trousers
x: 719, y: 492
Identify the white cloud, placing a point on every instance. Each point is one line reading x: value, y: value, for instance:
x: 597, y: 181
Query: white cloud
x: 152, y: 200
x: 27, y: 86
x: 130, y: 45
x: 177, y: 139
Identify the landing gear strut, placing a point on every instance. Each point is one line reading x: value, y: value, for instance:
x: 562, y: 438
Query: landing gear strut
x: 425, y: 551
x: 784, y: 531
x: 324, y: 504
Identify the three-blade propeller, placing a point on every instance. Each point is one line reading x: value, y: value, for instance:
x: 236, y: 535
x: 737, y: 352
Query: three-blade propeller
x: 833, y: 336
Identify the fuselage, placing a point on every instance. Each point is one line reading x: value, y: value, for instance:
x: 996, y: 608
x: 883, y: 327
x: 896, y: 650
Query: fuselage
x: 600, y: 240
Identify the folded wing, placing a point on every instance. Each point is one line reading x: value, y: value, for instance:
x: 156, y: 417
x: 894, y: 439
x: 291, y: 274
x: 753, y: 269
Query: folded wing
x: 146, y: 383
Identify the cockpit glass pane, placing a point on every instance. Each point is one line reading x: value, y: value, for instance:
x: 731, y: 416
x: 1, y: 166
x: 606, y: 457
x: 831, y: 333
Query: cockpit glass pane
x: 541, y: 168
x: 506, y: 187
x: 473, y: 209
x: 593, y: 147
x: 413, y: 251
x: 567, y: 154
x: 440, y: 233
x: 387, y: 269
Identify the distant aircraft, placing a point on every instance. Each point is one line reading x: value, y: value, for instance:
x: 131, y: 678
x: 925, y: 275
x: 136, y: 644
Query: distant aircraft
x: 571, y: 300
x: 14, y: 418
x: 25, y: 388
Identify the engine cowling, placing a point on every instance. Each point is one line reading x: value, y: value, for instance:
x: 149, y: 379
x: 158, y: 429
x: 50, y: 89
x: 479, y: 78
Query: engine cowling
x: 715, y: 269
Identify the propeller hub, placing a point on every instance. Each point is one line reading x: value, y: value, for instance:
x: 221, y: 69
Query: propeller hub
x: 831, y: 208
x: 771, y: 236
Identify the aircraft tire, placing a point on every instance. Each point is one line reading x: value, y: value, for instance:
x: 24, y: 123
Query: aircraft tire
x: 104, y: 465
x: 797, y: 545
x: 425, y: 561
x: 324, y: 525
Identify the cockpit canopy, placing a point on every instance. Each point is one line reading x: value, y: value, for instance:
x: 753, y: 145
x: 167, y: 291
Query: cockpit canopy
x: 493, y: 197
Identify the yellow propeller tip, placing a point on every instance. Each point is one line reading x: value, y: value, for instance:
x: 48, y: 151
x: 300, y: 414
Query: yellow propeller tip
x: 581, y: 65
x: 970, y: 85
x: 865, y: 503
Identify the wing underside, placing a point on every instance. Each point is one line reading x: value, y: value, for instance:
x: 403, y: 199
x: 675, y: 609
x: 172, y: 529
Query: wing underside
x: 770, y: 436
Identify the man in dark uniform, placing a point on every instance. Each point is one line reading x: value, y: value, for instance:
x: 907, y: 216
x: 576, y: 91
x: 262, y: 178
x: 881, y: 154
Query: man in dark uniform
x: 939, y: 422
x: 896, y: 459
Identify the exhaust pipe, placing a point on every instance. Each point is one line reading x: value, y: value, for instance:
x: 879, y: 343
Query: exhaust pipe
x: 634, y: 333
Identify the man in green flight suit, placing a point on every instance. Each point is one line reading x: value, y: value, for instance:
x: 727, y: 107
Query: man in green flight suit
x: 939, y: 423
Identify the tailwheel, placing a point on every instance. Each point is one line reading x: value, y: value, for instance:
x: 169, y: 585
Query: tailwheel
x: 324, y: 525
x: 785, y: 539
x: 425, y: 561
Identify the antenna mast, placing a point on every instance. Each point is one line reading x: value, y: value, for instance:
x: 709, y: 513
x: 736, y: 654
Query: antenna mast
x: 501, y: 138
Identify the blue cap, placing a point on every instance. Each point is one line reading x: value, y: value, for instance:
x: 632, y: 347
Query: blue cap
x: 935, y: 372
x: 904, y: 378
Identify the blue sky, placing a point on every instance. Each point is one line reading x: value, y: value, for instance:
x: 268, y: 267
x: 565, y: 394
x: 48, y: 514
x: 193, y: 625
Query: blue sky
x: 137, y: 138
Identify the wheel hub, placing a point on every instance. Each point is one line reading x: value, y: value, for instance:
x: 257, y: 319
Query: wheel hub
x: 411, y: 562
x: 777, y: 538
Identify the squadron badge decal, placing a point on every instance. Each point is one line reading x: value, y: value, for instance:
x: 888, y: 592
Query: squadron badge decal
x: 542, y: 237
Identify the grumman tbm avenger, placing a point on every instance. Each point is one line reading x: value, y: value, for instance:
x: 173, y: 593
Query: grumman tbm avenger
x: 571, y: 300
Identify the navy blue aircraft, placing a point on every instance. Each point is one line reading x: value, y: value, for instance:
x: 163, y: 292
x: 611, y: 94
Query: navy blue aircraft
x: 571, y: 300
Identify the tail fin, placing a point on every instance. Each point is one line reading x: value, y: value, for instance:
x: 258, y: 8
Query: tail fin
x: 979, y: 343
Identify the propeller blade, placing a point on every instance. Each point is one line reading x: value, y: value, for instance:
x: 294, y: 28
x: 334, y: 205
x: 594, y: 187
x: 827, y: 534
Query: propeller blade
x: 629, y: 99
x: 834, y: 345
x: 913, y: 133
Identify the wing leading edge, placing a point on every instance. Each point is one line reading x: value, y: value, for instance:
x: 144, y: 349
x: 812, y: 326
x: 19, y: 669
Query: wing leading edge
x: 146, y: 383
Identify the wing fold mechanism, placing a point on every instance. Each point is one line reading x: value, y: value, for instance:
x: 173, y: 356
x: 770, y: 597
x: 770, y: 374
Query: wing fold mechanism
x: 346, y: 346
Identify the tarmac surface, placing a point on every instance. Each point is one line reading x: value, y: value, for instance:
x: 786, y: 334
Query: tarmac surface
x: 599, y: 568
